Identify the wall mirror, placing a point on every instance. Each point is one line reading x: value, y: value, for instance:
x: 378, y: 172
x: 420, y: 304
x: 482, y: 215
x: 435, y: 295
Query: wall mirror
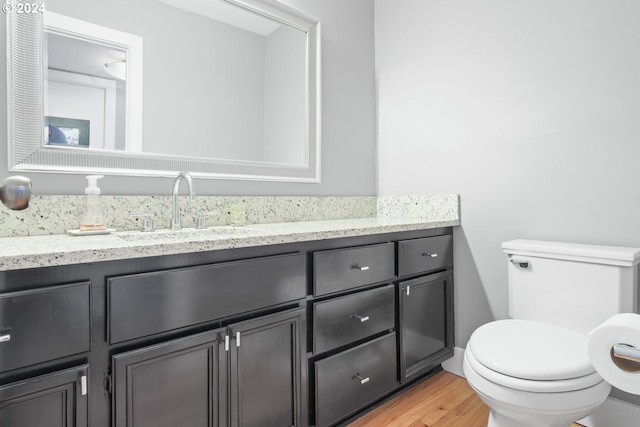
x: 220, y: 88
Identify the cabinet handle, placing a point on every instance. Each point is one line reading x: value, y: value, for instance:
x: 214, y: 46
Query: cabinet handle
x: 83, y: 385
x: 429, y: 255
x: 362, y: 379
x: 237, y: 339
x: 363, y: 268
x: 5, y: 338
x: 361, y: 318
x: 226, y: 343
x: 408, y: 290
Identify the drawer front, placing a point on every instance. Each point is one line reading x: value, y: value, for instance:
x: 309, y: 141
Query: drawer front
x: 353, y: 379
x: 347, y: 319
x: 150, y: 303
x: 341, y: 269
x: 44, y: 324
x: 422, y: 255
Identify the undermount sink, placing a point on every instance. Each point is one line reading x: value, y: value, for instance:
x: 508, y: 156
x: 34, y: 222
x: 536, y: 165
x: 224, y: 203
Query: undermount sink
x: 188, y: 234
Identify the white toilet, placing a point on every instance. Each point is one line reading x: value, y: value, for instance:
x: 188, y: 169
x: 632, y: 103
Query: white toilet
x: 533, y: 369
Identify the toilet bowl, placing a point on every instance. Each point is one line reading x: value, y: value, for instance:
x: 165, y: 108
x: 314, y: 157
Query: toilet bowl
x: 533, y: 370
x: 532, y: 374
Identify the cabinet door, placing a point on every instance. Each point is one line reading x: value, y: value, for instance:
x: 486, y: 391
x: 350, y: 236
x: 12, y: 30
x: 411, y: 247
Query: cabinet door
x: 54, y: 400
x: 177, y: 383
x: 426, y: 323
x: 267, y: 371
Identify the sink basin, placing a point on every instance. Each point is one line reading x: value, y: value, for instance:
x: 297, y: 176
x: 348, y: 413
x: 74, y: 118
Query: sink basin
x: 189, y: 234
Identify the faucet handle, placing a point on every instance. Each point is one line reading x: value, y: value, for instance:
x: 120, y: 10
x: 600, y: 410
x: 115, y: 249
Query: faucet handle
x: 202, y: 218
x: 148, y: 219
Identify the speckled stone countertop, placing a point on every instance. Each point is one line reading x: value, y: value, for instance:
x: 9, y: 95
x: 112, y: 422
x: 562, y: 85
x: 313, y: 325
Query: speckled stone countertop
x: 53, y: 250
x: 36, y: 236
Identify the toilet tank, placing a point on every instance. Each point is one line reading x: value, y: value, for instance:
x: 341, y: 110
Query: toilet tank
x: 574, y: 286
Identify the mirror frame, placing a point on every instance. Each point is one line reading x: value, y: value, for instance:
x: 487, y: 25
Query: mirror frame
x: 25, y: 114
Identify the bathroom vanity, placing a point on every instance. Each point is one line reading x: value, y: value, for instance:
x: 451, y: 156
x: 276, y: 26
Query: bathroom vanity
x: 273, y: 329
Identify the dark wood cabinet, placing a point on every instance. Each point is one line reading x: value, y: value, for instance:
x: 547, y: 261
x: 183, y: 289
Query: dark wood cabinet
x: 267, y: 371
x: 425, y: 324
x: 248, y: 374
x: 43, y: 324
x: 183, y: 297
x: 343, y: 320
x: 302, y: 334
x: 58, y: 399
x: 341, y: 269
x: 355, y: 378
x: 177, y: 383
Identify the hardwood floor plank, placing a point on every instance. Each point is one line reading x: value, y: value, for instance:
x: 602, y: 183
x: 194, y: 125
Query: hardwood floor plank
x: 444, y: 400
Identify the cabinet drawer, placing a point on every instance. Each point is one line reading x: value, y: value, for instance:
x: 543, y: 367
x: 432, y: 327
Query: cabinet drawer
x: 150, y: 303
x: 355, y: 378
x: 43, y: 324
x: 346, y: 319
x: 422, y: 255
x: 341, y: 269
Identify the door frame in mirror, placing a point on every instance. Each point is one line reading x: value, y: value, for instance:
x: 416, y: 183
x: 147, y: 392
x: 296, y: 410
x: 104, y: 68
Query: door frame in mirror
x: 25, y: 111
x: 62, y: 25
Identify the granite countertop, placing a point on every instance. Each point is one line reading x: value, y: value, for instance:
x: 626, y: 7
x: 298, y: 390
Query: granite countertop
x: 54, y: 250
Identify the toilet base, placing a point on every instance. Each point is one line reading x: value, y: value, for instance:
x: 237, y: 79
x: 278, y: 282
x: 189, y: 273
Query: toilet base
x: 499, y: 420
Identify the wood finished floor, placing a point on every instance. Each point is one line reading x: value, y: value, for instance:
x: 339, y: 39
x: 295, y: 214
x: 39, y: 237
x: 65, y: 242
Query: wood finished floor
x: 444, y: 400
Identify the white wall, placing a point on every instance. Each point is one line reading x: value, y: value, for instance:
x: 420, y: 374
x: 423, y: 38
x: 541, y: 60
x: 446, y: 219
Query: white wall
x: 530, y: 110
x: 348, y: 120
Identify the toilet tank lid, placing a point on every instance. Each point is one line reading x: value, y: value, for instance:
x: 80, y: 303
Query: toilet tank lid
x: 612, y: 255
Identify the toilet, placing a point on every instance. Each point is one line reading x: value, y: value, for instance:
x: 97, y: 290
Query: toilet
x: 533, y: 370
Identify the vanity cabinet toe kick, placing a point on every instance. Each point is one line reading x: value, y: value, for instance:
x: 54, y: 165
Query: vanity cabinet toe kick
x: 306, y: 334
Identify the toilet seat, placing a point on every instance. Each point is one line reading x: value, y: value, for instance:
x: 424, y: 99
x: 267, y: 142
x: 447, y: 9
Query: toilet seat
x: 531, y: 356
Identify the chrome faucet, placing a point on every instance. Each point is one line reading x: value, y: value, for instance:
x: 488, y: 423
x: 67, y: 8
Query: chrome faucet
x: 175, y: 222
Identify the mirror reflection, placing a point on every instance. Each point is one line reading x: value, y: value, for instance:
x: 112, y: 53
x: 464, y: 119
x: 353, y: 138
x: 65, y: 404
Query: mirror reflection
x: 217, y: 82
x: 85, y: 94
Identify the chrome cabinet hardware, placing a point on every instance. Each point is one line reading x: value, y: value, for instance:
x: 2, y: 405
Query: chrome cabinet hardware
x: 83, y: 385
x: 237, y: 339
x: 361, y: 318
x: 5, y: 337
x: 361, y: 268
x: 408, y: 290
x: 362, y: 379
x: 226, y: 343
x: 430, y: 255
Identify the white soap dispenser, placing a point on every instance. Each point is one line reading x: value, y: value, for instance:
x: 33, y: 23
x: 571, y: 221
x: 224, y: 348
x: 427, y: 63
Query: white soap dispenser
x: 92, y: 218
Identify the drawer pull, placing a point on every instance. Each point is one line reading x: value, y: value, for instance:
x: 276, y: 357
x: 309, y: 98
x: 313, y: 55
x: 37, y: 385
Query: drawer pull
x: 363, y: 268
x: 83, y: 385
x: 430, y: 255
x: 5, y: 338
x: 362, y: 380
x: 361, y: 318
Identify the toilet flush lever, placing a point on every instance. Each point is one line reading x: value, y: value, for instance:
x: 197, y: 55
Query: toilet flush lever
x: 520, y: 262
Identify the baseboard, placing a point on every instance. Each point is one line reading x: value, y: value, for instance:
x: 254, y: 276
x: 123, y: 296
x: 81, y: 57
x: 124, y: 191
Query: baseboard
x: 454, y: 365
x: 612, y: 413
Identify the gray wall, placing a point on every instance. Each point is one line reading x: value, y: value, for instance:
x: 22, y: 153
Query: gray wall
x: 529, y: 110
x: 348, y: 127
